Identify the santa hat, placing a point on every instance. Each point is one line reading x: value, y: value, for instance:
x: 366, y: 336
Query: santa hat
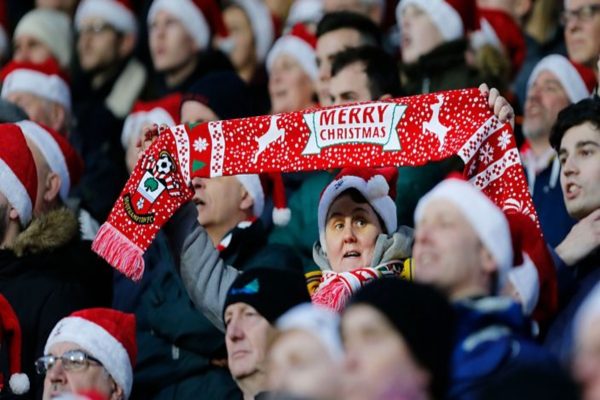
x: 10, y: 332
x: 162, y: 111
x: 533, y: 274
x: 377, y: 185
x: 199, y: 17
x: 499, y: 29
x: 300, y: 44
x: 106, y: 334
x: 259, y: 187
x: 44, y: 80
x: 453, y: 18
x: 577, y: 80
x: 304, y: 11
x: 118, y: 13
x: 486, y: 219
x: 263, y: 23
x: 58, y: 153
x: 322, y: 322
x: 588, y: 313
x: 18, y: 176
x: 52, y: 28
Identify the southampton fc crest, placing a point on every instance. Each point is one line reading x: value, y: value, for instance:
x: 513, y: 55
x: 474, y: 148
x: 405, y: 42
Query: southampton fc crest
x: 158, y: 179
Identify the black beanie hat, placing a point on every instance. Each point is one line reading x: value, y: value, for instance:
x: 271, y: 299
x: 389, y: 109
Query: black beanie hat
x: 224, y: 92
x: 422, y: 316
x: 271, y: 291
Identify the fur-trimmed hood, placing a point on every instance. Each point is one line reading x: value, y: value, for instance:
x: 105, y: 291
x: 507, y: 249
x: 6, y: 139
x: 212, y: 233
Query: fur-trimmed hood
x: 47, y: 232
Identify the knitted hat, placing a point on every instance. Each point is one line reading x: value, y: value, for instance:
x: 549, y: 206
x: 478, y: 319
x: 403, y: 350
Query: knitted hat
x: 486, y: 219
x: 263, y: 24
x: 534, y: 274
x: 319, y: 321
x: 44, y: 80
x: 424, y: 319
x: 216, y: 89
x: 201, y: 18
x: 453, y: 18
x: 18, y: 176
x: 118, y: 13
x: 271, y: 291
x: 107, y: 335
x: 378, y: 186
x: 10, y: 334
x: 161, y: 111
x: 304, y: 11
x: 52, y: 28
x: 577, y: 80
x: 300, y: 44
x: 500, y: 30
x: 58, y: 152
x: 261, y: 186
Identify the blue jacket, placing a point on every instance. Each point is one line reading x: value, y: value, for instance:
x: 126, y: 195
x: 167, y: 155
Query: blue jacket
x: 493, y: 338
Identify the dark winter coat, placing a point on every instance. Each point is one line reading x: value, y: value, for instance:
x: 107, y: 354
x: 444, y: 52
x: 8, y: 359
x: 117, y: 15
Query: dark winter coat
x: 49, y: 274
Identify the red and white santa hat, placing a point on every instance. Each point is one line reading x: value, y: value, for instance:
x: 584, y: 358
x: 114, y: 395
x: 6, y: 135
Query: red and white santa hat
x: 201, y: 18
x: 499, y: 29
x: 58, y: 153
x: 453, y: 18
x: 118, y: 13
x: 300, y: 44
x: 106, y: 334
x: 18, y: 176
x: 263, y: 23
x: 10, y: 335
x: 533, y: 275
x: 577, y: 80
x: 486, y: 219
x: 44, y: 80
x: 377, y: 185
x: 162, y: 111
x: 259, y: 187
x: 304, y: 11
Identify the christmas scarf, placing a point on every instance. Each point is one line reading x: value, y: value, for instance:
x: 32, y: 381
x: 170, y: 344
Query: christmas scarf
x: 336, y: 288
x: 405, y: 131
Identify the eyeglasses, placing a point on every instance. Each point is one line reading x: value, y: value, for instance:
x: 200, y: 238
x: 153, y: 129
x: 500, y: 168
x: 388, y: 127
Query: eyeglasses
x: 583, y: 14
x: 74, y: 360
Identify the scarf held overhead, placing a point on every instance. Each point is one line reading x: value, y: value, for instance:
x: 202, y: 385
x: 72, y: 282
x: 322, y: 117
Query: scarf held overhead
x: 409, y: 131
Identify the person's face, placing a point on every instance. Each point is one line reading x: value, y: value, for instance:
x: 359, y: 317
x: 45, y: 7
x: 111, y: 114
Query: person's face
x: 246, y: 337
x: 37, y: 109
x: 351, y: 231
x: 586, y: 366
x: 378, y: 359
x: 171, y: 47
x: 240, y: 31
x: 196, y: 112
x: 218, y: 200
x: 290, y: 88
x: 419, y: 34
x: 97, y: 45
x: 92, y: 377
x: 43, y: 171
x: 327, y: 46
x: 350, y: 85
x: 29, y: 48
x: 300, y: 365
x: 582, y: 32
x: 545, y: 99
x: 447, y: 252
x: 579, y: 156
